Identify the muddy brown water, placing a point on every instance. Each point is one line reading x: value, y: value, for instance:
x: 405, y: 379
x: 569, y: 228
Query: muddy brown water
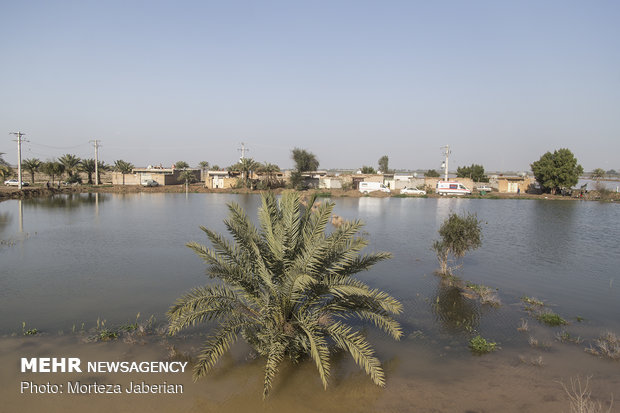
x: 71, y: 260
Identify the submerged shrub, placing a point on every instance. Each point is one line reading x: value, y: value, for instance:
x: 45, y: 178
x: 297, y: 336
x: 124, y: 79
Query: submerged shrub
x: 288, y: 289
x: 479, y: 345
x: 550, y: 318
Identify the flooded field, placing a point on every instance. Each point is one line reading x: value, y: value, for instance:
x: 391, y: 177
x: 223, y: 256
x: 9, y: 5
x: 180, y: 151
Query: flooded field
x: 69, y: 261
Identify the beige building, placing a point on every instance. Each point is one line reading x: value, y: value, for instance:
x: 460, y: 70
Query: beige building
x: 163, y: 176
x: 514, y: 184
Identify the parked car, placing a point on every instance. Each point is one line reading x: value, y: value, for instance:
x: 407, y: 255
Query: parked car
x: 15, y: 182
x: 150, y: 182
x: 452, y: 188
x: 484, y: 188
x: 412, y: 191
x: 367, y: 187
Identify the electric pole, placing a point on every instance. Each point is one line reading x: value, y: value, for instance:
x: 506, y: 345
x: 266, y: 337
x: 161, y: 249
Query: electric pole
x: 243, y: 150
x: 96, y: 145
x: 445, y: 163
x: 19, y: 156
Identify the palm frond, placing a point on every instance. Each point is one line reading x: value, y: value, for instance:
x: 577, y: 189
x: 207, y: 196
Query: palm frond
x: 216, y: 346
x: 360, y: 349
x: 318, y: 347
x: 202, y: 304
x: 276, y: 354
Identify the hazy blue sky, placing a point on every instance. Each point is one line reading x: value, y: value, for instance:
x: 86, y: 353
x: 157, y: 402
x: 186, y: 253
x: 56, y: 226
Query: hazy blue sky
x: 501, y: 82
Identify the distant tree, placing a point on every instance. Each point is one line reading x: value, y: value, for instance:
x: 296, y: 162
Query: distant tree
x: 88, y: 167
x: 383, y: 164
x: 123, y: 167
x: 431, y: 173
x: 598, y: 173
x: 215, y: 168
x: 474, y: 172
x: 304, y: 161
x: 203, y: 165
x: 31, y: 165
x: 612, y: 172
x: 188, y: 177
x: 71, y: 163
x: 368, y: 170
x: 245, y: 166
x: 181, y: 165
x: 5, y: 172
x: 270, y: 170
x: 557, y: 170
x: 2, y: 161
x: 52, y: 169
x: 101, y: 168
x: 459, y: 234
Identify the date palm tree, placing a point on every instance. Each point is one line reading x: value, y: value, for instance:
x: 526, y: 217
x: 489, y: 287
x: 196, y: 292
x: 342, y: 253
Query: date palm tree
x: 204, y: 165
x: 71, y: 163
x: 123, y: 167
x: 187, y: 176
x: 53, y: 169
x: 288, y: 289
x: 88, y: 166
x: 270, y: 170
x: 32, y: 165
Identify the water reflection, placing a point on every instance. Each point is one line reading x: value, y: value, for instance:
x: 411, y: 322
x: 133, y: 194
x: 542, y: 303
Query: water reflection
x: 455, y: 312
x: 5, y: 220
x: 69, y: 201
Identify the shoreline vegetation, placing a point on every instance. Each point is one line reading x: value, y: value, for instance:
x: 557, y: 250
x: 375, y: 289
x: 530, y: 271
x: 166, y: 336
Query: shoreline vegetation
x: 41, y: 191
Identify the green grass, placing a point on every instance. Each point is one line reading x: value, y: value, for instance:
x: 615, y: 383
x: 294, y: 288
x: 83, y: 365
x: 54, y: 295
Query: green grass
x: 551, y: 319
x: 532, y: 301
x: 479, y: 345
x: 323, y: 194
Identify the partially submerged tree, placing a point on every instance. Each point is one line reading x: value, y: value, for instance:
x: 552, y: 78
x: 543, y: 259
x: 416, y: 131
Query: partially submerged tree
x: 431, y: 173
x: 383, y: 164
x: 288, y: 289
x: 557, y: 170
x: 459, y: 234
x: 32, y: 165
x: 123, y: 167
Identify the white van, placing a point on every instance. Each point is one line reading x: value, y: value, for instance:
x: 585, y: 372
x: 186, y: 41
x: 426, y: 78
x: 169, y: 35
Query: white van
x: 452, y: 188
x: 367, y: 187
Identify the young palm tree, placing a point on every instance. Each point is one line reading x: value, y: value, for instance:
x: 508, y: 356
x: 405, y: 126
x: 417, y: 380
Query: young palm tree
x: 288, y: 290
x: 270, y: 170
x: 70, y: 162
x: 88, y: 166
x: 204, y: 165
x: 123, y: 167
x: 188, y: 177
x: 32, y: 165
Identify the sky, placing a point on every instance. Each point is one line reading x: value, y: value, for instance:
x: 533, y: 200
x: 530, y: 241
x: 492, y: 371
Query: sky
x: 501, y: 82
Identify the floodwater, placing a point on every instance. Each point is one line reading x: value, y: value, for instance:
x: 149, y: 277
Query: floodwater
x: 69, y: 261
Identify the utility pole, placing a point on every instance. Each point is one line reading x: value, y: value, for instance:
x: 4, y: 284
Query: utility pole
x: 96, y: 145
x: 445, y: 163
x: 19, y: 156
x: 243, y: 150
